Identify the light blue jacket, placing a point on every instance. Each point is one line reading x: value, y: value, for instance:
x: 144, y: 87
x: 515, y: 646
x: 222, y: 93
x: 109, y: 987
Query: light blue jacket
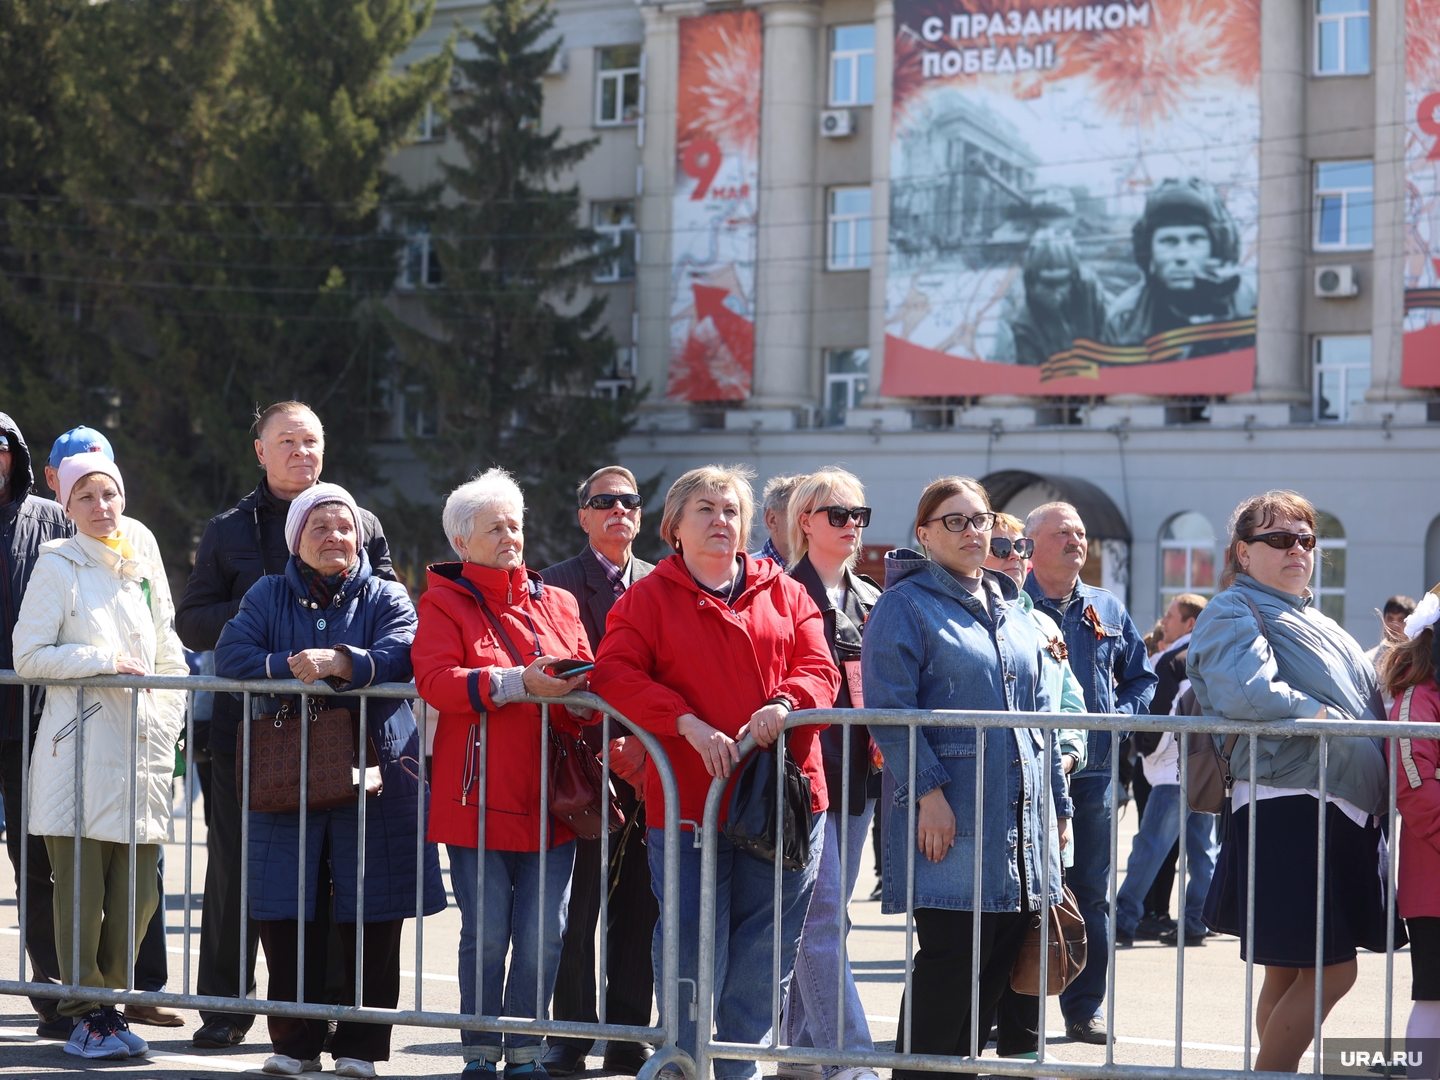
x: 1301, y: 661
x: 929, y: 644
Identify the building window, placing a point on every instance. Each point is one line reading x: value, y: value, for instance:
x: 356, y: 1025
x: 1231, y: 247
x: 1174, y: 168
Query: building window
x: 1342, y: 375
x: 1344, y: 205
x: 419, y: 262
x: 847, y: 374
x: 615, y: 222
x: 1342, y: 37
x: 617, y: 93
x: 848, y: 217
x: 1328, y: 581
x: 852, y: 65
x: 1187, y: 557
x: 431, y: 125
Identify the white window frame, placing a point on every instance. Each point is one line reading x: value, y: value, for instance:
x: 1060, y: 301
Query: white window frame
x: 855, y: 383
x: 613, y: 239
x: 618, y: 76
x: 1318, y: 585
x: 837, y: 100
x: 417, y: 239
x: 1319, y: 364
x: 1345, y: 194
x: 1169, y: 592
x: 852, y: 225
x: 1338, y: 19
x: 431, y: 125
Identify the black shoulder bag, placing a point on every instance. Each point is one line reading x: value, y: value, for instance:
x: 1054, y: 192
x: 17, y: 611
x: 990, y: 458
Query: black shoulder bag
x: 750, y: 825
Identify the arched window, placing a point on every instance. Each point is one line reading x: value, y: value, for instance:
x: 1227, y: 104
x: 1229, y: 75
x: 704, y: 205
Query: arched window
x: 1187, y: 557
x: 1328, y: 582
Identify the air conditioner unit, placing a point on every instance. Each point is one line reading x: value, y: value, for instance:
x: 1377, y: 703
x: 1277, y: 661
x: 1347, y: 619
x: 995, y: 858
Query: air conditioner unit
x: 837, y: 123
x: 1335, y: 281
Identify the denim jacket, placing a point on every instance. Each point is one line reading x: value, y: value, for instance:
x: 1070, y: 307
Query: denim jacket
x: 1107, y: 656
x: 929, y: 644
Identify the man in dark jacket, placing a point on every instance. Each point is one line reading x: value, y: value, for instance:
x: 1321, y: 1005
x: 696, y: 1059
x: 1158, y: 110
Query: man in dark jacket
x: 238, y: 548
x: 26, y: 522
x: 596, y: 578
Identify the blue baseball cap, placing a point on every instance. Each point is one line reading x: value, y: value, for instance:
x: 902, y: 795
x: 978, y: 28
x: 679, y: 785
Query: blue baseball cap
x: 79, y: 440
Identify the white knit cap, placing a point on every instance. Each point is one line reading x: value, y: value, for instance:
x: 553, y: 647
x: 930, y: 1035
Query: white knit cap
x: 307, y: 501
x: 78, y: 466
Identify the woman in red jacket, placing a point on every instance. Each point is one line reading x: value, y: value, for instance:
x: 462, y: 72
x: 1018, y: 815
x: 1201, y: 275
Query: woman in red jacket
x: 711, y: 646
x: 488, y: 629
x: 1408, y: 672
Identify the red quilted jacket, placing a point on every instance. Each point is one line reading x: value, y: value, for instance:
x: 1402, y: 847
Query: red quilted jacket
x: 1417, y: 796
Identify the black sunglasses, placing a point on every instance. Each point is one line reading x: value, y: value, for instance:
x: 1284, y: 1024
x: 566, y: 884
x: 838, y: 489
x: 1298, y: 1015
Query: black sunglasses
x: 839, y: 515
x: 1002, y: 546
x: 607, y: 502
x: 1284, y: 541
x: 956, y: 523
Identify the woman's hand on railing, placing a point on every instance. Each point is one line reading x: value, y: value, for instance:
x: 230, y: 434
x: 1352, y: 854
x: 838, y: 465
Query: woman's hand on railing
x: 934, y: 825
x: 766, y: 725
x: 715, y: 748
x: 542, y: 684
x: 312, y: 665
x: 130, y: 665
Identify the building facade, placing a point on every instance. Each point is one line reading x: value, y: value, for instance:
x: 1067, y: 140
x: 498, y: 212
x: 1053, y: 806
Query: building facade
x: 785, y: 227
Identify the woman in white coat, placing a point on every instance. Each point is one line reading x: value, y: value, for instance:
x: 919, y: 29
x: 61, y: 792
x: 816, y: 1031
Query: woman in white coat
x: 94, y: 608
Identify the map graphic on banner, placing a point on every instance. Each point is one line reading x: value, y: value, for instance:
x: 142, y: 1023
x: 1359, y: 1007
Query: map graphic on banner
x: 713, y: 216
x: 1421, y: 367
x: 1074, y: 198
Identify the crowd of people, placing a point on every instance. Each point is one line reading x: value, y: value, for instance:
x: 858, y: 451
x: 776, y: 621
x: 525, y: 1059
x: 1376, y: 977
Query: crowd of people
x: 713, y: 644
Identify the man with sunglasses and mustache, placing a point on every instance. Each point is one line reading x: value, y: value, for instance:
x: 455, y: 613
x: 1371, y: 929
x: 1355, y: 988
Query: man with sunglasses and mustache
x: 1108, y: 657
x: 610, y: 515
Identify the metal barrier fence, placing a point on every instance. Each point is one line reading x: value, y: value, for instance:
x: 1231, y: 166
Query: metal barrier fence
x: 709, y: 1049
x: 665, y: 1036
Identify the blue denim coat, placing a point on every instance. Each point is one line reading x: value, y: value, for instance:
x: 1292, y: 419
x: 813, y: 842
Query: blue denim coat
x: 929, y: 644
x: 1107, y: 656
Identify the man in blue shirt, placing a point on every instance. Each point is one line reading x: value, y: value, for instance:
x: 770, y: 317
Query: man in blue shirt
x: 1108, y: 657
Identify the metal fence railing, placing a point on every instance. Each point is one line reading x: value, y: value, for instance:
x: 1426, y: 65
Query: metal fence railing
x: 664, y: 1036
x: 709, y: 1049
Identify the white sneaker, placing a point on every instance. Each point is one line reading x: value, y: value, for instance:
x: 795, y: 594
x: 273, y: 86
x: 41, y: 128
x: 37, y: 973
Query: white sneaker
x: 354, y: 1067
x: 858, y: 1072
x: 285, y: 1065
x: 793, y: 1070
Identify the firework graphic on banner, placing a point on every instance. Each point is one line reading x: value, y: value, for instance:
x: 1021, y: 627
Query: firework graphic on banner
x: 713, y: 216
x: 1422, y: 194
x: 1074, y: 198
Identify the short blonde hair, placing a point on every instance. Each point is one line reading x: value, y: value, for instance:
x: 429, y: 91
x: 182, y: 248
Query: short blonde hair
x: 1009, y: 522
x: 715, y: 479
x: 490, y: 490
x: 816, y: 490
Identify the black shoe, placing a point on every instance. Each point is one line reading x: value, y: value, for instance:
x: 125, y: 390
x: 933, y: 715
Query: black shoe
x: 218, y: 1034
x: 1088, y: 1031
x: 877, y: 892
x: 1169, y: 937
x: 626, y: 1057
x: 1150, y: 927
x: 57, y: 1030
x: 1124, y: 940
x: 562, y: 1059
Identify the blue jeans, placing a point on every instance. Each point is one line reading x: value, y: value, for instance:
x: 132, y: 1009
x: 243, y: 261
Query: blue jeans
x: 744, y: 934
x: 1159, y: 829
x: 512, y: 895
x: 1089, y: 880
x: 810, y: 1010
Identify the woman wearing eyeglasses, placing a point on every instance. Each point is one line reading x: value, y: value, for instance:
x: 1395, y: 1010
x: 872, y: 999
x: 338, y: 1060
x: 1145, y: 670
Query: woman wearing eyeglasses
x: 1262, y: 650
x: 949, y: 634
x: 827, y: 516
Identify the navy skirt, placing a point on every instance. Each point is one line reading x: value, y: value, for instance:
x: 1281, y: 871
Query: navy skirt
x: 1285, y: 840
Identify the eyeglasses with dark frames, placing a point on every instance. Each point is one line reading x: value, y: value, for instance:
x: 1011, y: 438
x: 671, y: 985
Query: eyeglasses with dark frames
x: 1002, y: 547
x: 1284, y: 541
x: 957, y: 523
x: 629, y: 501
x: 839, y: 515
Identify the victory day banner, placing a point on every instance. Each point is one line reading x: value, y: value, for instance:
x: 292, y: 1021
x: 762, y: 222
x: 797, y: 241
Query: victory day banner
x: 1421, y: 366
x: 1074, y: 198
x: 713, y: 217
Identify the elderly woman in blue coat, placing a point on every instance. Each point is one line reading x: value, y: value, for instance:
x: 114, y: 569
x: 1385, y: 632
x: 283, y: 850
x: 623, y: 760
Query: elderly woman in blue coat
x: 948, y: 634
x: 327, y: 617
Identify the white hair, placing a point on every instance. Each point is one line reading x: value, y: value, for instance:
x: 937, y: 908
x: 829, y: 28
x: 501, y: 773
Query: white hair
x: 491, y: 490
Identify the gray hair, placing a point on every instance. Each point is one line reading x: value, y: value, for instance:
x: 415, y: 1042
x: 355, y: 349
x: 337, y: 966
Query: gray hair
x: 582, y: 493
x: 1036, y: 516
x: 778, y: 490
x: 490, y: 490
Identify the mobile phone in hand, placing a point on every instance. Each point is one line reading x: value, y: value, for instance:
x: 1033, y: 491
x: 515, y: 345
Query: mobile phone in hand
x: 568, y: 669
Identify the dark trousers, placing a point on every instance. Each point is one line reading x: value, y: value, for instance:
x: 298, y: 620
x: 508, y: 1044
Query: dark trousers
x: 218, y: 974
x: 632, y: 914
x: 151, y: 965
x: 940, y: 1005
x: 39, y: 918
x: 304, y: 1039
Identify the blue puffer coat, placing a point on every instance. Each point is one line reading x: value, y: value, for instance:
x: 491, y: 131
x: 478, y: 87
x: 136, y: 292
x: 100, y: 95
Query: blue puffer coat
x: 375, y: 620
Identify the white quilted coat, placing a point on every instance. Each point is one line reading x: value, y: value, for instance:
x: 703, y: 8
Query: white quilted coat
x: 83, y: 609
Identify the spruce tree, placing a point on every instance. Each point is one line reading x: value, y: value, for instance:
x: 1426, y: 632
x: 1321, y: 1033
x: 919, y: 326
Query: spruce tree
x: 512, y: 355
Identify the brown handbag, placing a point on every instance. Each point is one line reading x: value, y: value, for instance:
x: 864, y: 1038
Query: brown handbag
x: 275, y: 760
x: 1066, y: 947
